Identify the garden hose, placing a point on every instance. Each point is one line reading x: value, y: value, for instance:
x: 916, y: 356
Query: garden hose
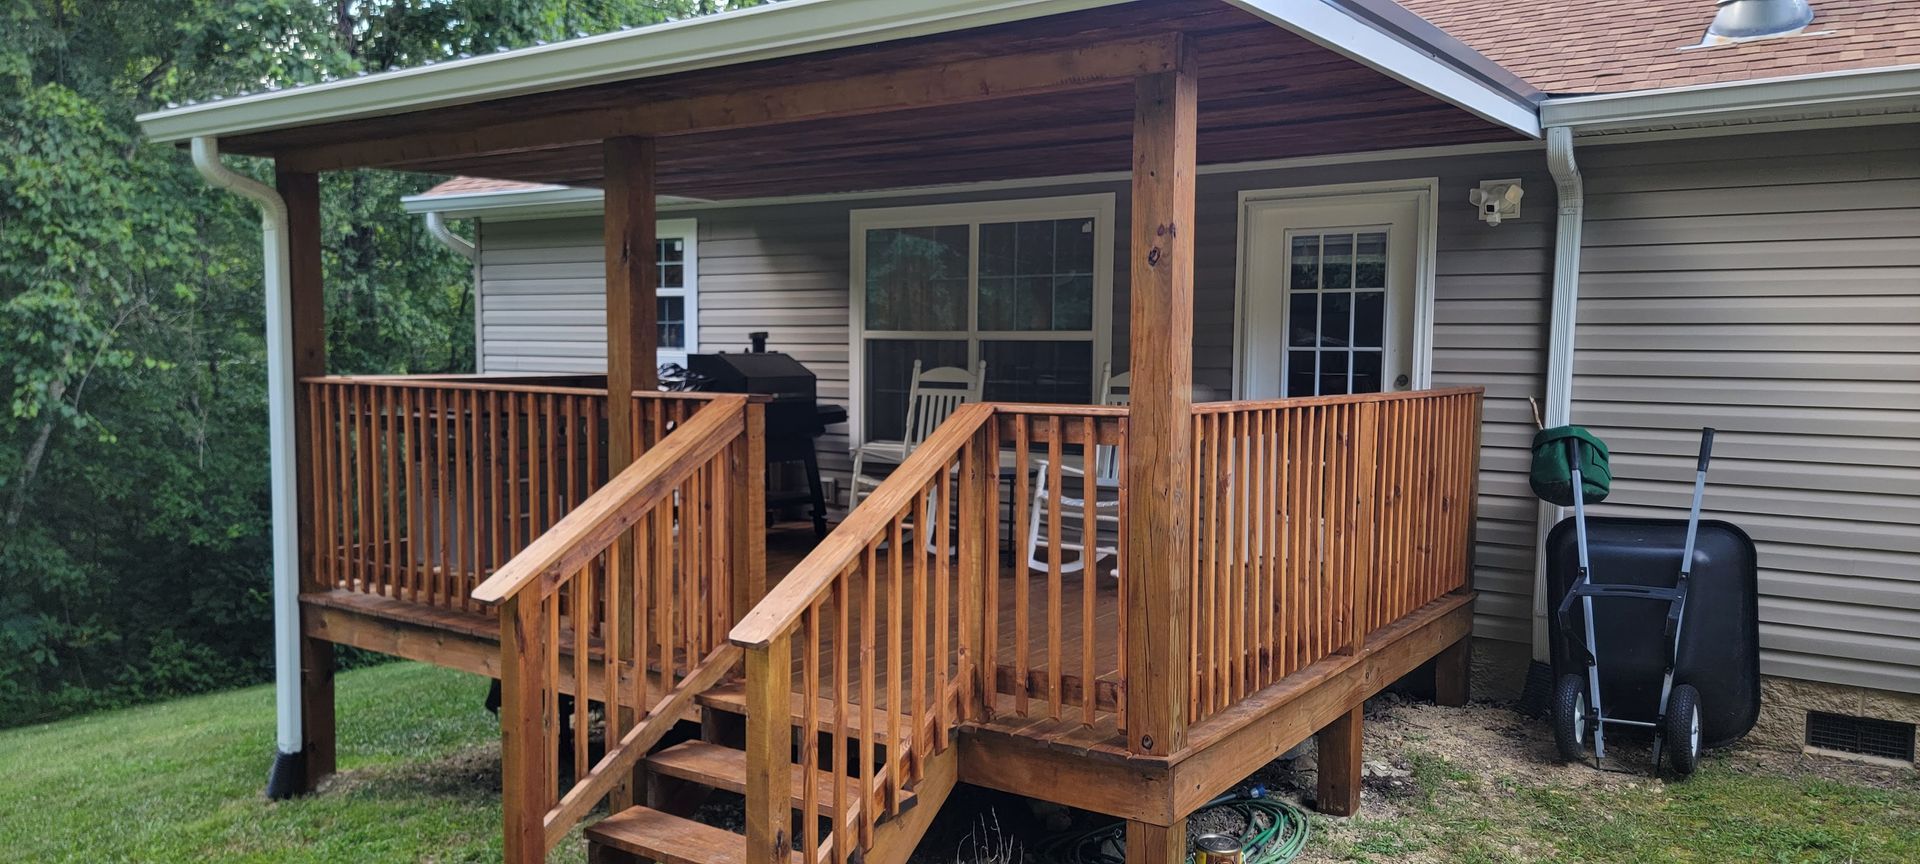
x: 1275, y: 832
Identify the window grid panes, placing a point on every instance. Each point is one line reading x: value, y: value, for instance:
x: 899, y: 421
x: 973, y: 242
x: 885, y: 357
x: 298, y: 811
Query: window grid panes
x: 1018, y: 294
x: 1336, y: 312
x: 671, y: 300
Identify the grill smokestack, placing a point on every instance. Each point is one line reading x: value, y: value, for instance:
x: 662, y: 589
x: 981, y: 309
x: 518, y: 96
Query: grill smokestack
x: 1752, y: 19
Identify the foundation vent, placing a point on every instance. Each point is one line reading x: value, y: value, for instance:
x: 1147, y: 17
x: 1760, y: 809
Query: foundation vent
x: 1865, y: 736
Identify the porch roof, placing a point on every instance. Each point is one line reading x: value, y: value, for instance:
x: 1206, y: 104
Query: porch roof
x: 1279, y: 79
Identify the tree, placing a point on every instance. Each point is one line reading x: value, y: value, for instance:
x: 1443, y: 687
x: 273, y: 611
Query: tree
x: 133, y: 511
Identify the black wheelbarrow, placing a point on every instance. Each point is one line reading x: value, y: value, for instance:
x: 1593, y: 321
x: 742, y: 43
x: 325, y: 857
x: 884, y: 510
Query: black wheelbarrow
x: 1657, y: 622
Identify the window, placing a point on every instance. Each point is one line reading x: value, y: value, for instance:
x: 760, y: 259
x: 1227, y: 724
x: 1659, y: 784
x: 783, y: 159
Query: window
x: 1336, y: 312
x: 1025, y: 286
x: 675, y: 244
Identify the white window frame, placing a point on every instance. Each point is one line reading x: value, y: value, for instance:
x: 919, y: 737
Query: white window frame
x: 1099, y: 207
x: 687, y: 231
x: 1423, y: 192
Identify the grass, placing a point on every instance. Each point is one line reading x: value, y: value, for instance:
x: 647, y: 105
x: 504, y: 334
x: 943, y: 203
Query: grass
x: 181, y: 782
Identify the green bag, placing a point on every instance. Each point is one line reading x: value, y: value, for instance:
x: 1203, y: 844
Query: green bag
x: 1552, y: 475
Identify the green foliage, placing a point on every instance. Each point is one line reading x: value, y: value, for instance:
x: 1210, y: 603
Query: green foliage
x: 133, y: 511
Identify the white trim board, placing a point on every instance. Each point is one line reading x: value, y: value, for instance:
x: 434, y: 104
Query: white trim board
x: 1425, y: 195
x: 1891, y: 88
x: 1422, y: 58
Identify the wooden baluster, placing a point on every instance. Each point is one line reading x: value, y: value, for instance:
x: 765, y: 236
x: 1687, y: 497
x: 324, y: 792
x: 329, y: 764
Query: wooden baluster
x: 396, y: 445
x: 916, y: 676
x: 944, y: 542
x: 1236, y: 593
x: 1196, y: 572
x: 582, y: 614
x: 989, y: 570
x: 842, y: 695
x: 1120, y: 571
x: 810, y: 732
x: 1216, y: 600
x: 372, y: 548
x: 867, y: 729
x: 496, y: 476
x: 1022, y: 567
x: 324, y: 440
x: 1089, y: 562
x: 894, y: 661
x: 552, y: 743
x: 1055, y: 453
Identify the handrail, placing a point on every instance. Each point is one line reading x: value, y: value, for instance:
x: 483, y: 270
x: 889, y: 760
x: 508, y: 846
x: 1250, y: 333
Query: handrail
x: 1336, y: 399
x: 592, y: 526
x: 781, y: 608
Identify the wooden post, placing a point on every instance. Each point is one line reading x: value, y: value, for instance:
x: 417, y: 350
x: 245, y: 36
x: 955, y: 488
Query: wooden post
x: 1339, y: 761
x: 770, y: 751
x: 1160, y: 430
x: 748, y: 498
x: 632, y: 336
x: 306, y: 286
x: 1453, y: 673
x: 1148, y: 843
x: 525, y: 786
x: 978, y: 563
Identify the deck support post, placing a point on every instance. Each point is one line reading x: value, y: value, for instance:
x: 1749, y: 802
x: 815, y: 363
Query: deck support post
x: 1339, y: 764
x: 1148, y: 843
x: 305, y: 288
x: 1452, y: 673
x: 1160, y: 426
x: 632, y: 337
x: 770, y: 752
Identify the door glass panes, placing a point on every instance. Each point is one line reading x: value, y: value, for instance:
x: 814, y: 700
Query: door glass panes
x: 917, y: 278
x: 1336, y: 312
x: 1036, y: 275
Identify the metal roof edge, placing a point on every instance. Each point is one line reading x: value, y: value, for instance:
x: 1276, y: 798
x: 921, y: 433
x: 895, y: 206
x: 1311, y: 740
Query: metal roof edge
x: 1768, y: 99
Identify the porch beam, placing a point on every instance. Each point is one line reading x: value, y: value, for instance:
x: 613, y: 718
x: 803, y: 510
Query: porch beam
x: 1079, y: 68
x: 1160, y: 429
x: 308, y: 345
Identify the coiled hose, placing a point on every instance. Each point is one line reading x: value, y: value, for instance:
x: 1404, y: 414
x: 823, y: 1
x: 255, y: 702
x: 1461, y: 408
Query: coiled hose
x: 1274, y: 832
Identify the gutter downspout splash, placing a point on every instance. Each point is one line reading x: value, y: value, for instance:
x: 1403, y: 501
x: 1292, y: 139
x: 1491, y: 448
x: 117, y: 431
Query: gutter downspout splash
x: 1566, y: 300
x: 284, y: 780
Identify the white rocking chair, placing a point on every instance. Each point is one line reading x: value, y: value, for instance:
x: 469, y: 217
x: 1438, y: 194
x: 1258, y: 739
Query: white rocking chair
x: 933, y: 397
x: 1114, y: 390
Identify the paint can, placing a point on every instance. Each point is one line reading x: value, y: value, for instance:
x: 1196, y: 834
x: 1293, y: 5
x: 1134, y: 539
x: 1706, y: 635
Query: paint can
x: 1217, y: 849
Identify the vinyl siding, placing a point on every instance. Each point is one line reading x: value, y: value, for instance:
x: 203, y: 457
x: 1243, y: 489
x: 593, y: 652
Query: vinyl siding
x: 784, y: 269
x: 1770, y: 287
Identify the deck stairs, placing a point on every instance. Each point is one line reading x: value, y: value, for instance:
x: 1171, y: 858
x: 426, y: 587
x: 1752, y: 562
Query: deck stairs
x: 664, y: 832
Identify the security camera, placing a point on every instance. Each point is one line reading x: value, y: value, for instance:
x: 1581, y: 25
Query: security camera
x: 1497, y: 200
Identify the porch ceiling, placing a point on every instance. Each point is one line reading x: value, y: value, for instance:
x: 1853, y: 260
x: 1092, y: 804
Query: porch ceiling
x: 1265, y: 93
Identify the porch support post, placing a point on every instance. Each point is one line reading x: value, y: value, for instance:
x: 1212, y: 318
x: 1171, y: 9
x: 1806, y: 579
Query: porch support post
x: 307, y: 308
x: 1338, y: 792
x: 1148, y: 843
x: 632, y: 335
x: 1160, y: 428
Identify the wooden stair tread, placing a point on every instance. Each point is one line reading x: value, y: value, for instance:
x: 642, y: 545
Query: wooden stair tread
x: 669, y: 839
x: 726, y: 768
x: 731, y: 697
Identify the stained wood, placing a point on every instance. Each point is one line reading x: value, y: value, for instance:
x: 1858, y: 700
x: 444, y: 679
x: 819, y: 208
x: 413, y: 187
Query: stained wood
x: 656, y: 836
x: 1452, y: 674
x: 1159, y: 430
x: 526, y: 783
x: 726, y: 768
x: 1148, y: 843
x: 1339, y: 745
x: 769, y: 751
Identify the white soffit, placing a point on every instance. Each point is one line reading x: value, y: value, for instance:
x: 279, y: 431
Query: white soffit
x: 1419, y: 56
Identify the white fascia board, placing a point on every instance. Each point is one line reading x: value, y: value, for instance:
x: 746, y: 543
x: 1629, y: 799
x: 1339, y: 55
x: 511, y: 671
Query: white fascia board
x: 741, y: 36
x: 1765, y: 100
x: 1416, y: 64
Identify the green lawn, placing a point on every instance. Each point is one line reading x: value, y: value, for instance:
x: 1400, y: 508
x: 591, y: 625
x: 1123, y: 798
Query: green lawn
x: 181, y: 781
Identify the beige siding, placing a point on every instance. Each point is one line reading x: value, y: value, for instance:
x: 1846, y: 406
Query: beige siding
x: 1770, y: 287
x: 784, y: 269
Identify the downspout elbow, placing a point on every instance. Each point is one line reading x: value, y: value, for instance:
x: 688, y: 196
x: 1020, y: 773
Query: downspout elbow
x: 437, y: 226
x: 206, y: 159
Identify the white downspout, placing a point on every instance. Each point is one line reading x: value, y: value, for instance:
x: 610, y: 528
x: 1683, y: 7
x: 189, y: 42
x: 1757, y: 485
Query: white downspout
x: 1566, y: 302
x: 280, y: 448
x: 437, y: 226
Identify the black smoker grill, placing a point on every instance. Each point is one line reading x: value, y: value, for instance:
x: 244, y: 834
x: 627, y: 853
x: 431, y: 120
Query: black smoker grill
x: 795, y: 416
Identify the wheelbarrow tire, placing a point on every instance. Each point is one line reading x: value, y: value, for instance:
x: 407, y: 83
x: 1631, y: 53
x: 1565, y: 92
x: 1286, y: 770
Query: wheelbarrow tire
x: 1570, y: 717
x: 1683, y: 729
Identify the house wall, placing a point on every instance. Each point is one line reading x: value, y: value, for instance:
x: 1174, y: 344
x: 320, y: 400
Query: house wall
x: 1769, y: 286
x: 785, y: 269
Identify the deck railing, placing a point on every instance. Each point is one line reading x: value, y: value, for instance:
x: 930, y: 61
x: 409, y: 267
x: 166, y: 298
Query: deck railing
x: 1318, y: 521
x: 423, y: 486
x: 625, y: 603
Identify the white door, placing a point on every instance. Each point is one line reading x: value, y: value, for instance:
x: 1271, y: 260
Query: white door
x: 1329, y: 295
